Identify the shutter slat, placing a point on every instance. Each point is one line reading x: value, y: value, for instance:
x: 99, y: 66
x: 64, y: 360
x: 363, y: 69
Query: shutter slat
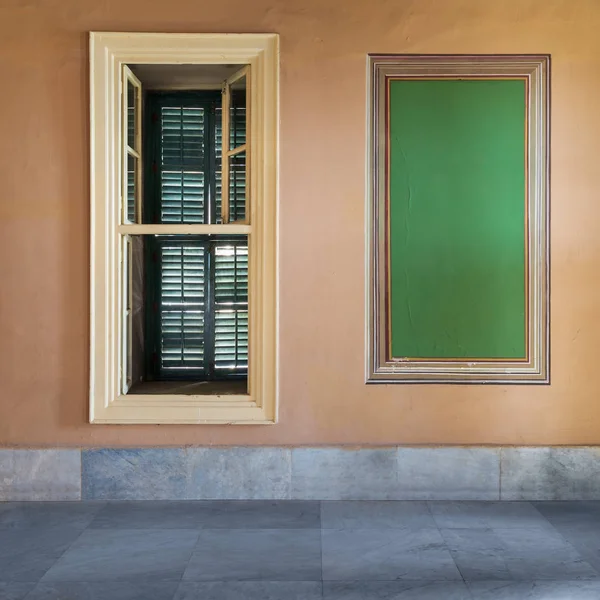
x: 182, y: 162
x: 231, y: 308
x: 182, y: 307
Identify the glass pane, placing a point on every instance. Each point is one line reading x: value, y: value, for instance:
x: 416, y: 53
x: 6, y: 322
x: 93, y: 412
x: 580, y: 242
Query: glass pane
x: 237, y: 187
x: 131, y: 114
x: 182, y: 294
x: 218, y: 164
x: 237, y: 113
x: 189, y: 310
x: 137, y: 274
x: 181, y: 164
x: 231, y: 308
x: 131, y: 187
x: 126, y: 364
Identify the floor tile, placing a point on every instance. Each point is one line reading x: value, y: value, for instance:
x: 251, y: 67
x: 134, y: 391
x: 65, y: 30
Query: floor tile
x: 537, y: 553
x: 267, y: 554
x: 395, y: 590
x: 579, y: 524
x: 149, y: 515
x: 371, y: 554
x: 376, y: 515
x: 269, y: 514
x: 290, y: 514
x: 126, y: 555
x: 250, y: 590
x: 587, y: 544
x: 18, y: 515
x: 539, y: 590
x: 14, y: 590
x: 576, y: 515
x: 478, y: 553
x: 71, y: 590
x: 26, y: 554
x: 512, y: 554
x: 485, y: 515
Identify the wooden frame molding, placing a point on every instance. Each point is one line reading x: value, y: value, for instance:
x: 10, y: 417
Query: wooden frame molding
x: 534, y: 368
x: 110, y: 53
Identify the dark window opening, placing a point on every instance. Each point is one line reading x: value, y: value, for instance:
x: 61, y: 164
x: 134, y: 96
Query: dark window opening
x: 195, y: 286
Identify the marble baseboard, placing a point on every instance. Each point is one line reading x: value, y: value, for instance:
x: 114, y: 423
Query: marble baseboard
x: 40, y: 475
x: 325, y: 473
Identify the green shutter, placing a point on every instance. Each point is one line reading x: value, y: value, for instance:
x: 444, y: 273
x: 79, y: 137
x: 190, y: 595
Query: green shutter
x: 201, y: 310
x: 182, y: 133
x: 182, y: 307
x: 131, y: 178
x: 231, y: 308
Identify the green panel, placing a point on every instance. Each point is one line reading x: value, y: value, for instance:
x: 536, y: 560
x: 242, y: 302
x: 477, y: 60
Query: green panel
x: 457, y: 219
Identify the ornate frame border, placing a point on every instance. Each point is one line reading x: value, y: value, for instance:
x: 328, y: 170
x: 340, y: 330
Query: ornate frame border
x: 535, y: 70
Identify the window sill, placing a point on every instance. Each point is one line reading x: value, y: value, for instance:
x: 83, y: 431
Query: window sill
x: 191, y: 388
x: 157, y: 409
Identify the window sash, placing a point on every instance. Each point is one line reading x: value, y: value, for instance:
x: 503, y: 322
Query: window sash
x: 223, y: 304
x: 131, y: 131
x: 229, y: 153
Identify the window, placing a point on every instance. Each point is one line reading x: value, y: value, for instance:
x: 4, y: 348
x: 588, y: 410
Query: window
x: 196, y: 287
x: 184, y: 223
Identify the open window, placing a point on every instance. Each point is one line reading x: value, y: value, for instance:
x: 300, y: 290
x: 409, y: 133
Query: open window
x: 184, y: 228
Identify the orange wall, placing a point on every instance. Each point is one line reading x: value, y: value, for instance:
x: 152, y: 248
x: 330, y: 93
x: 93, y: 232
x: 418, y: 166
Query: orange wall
x: 44, y: 213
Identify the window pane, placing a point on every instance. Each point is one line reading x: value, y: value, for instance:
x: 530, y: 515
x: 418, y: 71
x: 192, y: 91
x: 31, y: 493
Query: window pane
x: 132, y: 166
x: 133, y: 310
x: 182, y: 306
x: 237, y: 187
x: 231, y: 341
x: 182, y: 176
x: 137, y: 270
x: 218, y: 164
x: 231, y: 308
x: 182, y: 196
x: 189, y: 302
x: 239, y: 133
x: 237, y: 113
x: 131, y: 114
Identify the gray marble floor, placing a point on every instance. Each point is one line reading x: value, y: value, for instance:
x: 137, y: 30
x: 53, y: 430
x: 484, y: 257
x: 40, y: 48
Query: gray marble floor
x: 296, y: 550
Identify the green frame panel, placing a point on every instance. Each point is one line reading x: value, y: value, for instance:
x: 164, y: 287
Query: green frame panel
x: 458, y: 211
x: 457, y: 218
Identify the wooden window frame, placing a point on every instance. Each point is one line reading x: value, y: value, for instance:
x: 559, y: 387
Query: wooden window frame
x: 110, y: 53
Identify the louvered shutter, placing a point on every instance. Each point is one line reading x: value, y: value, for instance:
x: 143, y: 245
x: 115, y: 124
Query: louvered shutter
x: 182, y: 130
x: 202, y: 295
x: 182, y: 307
x: 231, y: 308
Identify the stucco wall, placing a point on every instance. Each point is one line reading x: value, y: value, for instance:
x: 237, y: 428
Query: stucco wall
x: 44, y: 214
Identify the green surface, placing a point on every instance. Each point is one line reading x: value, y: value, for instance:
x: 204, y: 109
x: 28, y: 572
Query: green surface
x: 457, y: 219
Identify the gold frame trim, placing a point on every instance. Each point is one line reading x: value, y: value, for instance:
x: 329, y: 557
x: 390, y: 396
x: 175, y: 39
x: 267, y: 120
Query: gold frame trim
x: 534, y: 368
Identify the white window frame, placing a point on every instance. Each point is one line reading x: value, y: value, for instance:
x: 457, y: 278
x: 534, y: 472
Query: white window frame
x: 110, y: 53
